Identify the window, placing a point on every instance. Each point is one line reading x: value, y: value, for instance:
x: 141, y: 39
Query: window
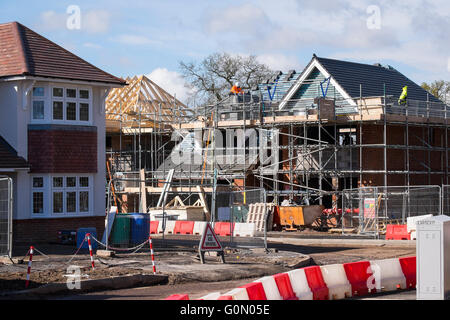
x: 69, y: 195
x: 71, y: 111
x: 38, y: 106
x: 84, y: 201
x: 71, y: 202
x: 84, y: 112
x: 71, y: 182
x: 58, y: 202
x: 84, y: 94
x: 58, y: 110
x: 38, y: 195
x: 38, y: 92
x: 71, y: 93
x: 58, y: 92
x: 62, y: 104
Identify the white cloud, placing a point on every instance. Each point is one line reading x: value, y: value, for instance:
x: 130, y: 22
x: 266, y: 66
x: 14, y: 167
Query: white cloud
x: 50, y: 20
x: 172, y: 82
x: 95, y: 21
x: 92, y: 21
x: 280, y: 62
x: 245, y: 19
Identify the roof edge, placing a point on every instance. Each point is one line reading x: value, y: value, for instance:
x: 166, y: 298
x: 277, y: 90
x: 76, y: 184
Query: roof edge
x: 21, y: 45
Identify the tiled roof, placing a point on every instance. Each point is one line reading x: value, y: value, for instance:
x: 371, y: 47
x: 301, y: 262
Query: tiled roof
x: 9, y: 158
x: 372, y: 78
x: 24, y: 52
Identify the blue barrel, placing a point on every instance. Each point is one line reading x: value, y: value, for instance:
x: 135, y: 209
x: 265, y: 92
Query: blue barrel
x: 140, y: 227
x: 81, y: 234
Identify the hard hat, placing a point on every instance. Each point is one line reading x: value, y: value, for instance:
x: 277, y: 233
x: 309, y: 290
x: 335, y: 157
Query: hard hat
x: 237, y: 84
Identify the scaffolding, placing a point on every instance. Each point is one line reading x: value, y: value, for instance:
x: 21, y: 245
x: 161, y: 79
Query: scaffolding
x: 326, y: 144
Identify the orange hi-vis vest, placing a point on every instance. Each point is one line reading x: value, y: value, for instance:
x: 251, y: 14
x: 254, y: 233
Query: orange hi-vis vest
x: 236, y: 90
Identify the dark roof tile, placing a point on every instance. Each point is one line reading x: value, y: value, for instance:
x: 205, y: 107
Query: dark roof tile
x: 9, y: 158
x: 372, y: 78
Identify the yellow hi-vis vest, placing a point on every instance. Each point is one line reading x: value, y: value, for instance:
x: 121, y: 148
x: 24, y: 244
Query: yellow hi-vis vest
x: 404, y: 95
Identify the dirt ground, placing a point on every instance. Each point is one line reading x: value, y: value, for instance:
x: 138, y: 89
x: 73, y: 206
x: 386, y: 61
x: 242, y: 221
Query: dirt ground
x: 182, y: 266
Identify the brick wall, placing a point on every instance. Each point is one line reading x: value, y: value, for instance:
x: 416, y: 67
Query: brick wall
x: 62, y: 149
x: 34, y: 231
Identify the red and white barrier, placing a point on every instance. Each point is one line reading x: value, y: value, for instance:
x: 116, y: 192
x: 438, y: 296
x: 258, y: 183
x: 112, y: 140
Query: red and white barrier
x: 244, y: 229
x: 30, y: 261
x: 199, y: 227
x: 211, y: 296
x: 388, y: 275
x: 270, y: 288
x: 300, y: 285
x: 238, y: 294
x: 152, y: 254
x: 335, y: 282
x: 88, y: 236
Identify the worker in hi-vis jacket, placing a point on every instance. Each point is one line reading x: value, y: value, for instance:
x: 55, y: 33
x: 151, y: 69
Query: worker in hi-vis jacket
x: 404, y: 96
x: 236, y: 89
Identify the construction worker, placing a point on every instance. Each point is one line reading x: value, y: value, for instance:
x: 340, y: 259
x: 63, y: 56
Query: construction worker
x: 236, y: 89
x: 404, y: 96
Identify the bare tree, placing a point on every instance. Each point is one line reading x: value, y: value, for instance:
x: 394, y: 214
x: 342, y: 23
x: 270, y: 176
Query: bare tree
x: 439, y: 88
x: 213, y: 77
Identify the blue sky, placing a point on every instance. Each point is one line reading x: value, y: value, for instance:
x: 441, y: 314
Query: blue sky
x: 128, y: 38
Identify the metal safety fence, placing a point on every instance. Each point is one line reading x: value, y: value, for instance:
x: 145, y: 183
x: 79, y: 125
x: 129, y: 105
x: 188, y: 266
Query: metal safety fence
x: 370, y: 209
x: 6, y: 211
x: 240, y: 213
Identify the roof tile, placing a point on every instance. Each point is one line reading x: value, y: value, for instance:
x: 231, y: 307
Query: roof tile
x: 24, y: 52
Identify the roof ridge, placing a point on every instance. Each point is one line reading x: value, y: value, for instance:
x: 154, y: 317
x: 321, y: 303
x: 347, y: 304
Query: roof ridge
x: 360, y: 63
x: 20, y: 43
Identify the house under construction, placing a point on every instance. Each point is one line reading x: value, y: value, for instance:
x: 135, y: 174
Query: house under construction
x: 336, y: 125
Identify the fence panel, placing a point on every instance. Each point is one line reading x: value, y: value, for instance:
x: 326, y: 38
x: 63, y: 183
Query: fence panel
x: 5, y: 216
x: 370, y: 209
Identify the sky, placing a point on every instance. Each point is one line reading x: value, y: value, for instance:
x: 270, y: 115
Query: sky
x: 127, y: 38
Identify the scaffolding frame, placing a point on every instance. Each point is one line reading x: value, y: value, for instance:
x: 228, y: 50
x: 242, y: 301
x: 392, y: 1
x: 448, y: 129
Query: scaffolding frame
x: 305, y: 131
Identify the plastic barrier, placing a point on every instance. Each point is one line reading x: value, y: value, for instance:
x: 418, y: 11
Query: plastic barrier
x: 223, y: 228
x: 225, y: 298
x: 211, y: 296
x: 270, y: 288
x: 408, y: 266
x: 199, y: 227
x: 300, y: 285
x: 397, y: 232
x: 388, y: 275
x: 183, y: 227
x: 284, y: 286
x: 237, y: 294
x: 154, y: 227
x: 178, y: 297
x: 244, y: 229
x: 336, y: 280
x: 316, y: 283
x: 357, y: 274
x: 170, y: 226
x: 255, y: 291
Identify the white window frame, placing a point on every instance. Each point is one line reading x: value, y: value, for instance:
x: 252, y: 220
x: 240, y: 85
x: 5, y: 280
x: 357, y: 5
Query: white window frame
x: 49, y: 99
x: 43, y: 98
x: 48, y: 193
x: 44, y: 191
